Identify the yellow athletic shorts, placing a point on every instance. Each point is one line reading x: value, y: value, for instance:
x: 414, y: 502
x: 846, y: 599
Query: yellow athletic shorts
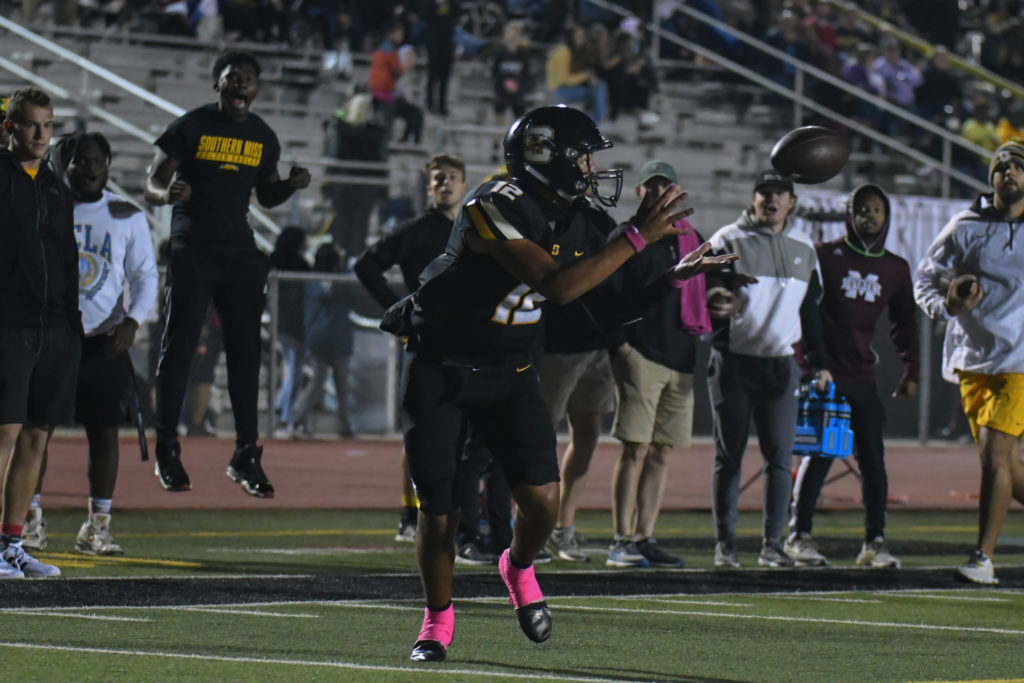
x: 993, y: 401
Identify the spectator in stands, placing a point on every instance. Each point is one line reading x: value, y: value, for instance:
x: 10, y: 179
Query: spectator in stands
x: 40, y: 325
x: 5, y: 135
x: 979, y: 128
x: 208, y: 163
x: 571, y: 77
x: 858, y: 71
x: 288, y: 257
x: 762, y: 309
x: 1011, y: 123
x: 115, y: 256
x: 329, y: 340
x: 860, y: 281
x: 511, y: 77
x: 411, y: 247
x: 631, y: 77
x: 654, y: 377
x: 970, y: 276
x: 789, y: 37
x: 355, y: 134
x: 940, y: 92
x: 821, y: 29
x: 901, y: 78
x: 386, y: 67
x: 65, y: 12
x: 851, y: 32
x: 405, y: 105
x: 441, y: 17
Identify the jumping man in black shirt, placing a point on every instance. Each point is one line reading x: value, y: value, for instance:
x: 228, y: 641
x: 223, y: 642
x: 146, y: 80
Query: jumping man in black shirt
x: 207, y: 164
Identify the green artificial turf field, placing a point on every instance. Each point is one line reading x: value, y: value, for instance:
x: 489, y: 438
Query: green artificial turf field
x: 329, y: 595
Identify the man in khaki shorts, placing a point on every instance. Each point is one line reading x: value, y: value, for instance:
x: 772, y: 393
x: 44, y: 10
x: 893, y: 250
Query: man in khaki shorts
x: 576, y: 382
x: 653, y: 370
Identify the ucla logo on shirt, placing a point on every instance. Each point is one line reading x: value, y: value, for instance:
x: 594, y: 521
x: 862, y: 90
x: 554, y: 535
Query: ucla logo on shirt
x: 867, y: 286
x: 95, y: 258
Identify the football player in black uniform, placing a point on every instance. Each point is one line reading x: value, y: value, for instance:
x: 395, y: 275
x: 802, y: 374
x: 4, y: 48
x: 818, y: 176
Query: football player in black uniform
x: 471, y: 326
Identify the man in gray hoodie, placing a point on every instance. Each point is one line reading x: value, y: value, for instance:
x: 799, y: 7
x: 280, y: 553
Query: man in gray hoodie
x: 971, y: 276
x: 761, y: 311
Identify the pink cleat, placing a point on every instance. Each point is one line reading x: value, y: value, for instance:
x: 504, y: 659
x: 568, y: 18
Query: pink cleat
x: 435, y: 636
x: 525, y: 596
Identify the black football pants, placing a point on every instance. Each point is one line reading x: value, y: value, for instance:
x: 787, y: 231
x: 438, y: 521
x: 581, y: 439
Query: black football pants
x: 236, y: 284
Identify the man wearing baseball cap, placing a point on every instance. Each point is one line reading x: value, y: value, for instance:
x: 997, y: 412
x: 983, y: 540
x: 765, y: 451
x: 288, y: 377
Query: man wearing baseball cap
x: 970, y: 277
x: 761, y: 310
x: 653, y: 366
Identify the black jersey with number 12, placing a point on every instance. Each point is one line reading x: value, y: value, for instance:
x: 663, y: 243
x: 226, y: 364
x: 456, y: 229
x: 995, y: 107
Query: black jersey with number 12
x: 470, y: 309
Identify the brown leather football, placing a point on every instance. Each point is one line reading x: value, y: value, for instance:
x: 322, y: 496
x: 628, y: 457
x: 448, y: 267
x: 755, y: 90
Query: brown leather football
x: 811, y: 154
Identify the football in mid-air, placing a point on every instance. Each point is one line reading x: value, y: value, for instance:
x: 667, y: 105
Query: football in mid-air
x: 811, y: 154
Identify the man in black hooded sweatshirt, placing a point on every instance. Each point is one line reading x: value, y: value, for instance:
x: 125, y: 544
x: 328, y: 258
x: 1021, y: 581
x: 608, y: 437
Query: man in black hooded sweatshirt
x: 860, y: 280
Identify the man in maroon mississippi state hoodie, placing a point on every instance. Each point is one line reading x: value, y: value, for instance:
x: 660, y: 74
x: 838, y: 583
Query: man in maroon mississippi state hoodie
x: 860, y: 279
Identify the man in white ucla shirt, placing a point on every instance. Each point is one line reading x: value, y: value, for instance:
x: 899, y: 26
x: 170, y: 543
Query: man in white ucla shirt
x: 114, y: 249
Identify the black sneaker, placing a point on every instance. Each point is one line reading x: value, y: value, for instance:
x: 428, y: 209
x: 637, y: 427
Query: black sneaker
x: 650, y: 549
x: 471, y: 553
x: 168, y: 468
x: 246, y: 470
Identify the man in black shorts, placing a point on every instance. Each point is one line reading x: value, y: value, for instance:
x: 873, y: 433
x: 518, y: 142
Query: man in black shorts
x: 114, y: 250
x: 40, y: 327
x: 207, y: 164
x: 471, y: 327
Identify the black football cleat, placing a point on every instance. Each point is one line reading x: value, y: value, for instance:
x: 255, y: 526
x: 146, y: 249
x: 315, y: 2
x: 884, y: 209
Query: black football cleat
x: 428, y: 651
x: 245, y: 469
x: 168, y: 469
x: 535, y: 620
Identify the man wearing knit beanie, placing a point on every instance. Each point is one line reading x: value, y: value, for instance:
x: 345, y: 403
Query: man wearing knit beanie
x: 970, y: 277
x: 1012, y: 149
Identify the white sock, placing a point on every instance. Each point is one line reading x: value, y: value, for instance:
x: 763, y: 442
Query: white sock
x: 100, y: 505
x: 35, y: 500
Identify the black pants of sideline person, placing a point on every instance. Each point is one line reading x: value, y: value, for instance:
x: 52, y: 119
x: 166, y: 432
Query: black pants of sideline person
x: 236, y: 284
x: 867, y: 419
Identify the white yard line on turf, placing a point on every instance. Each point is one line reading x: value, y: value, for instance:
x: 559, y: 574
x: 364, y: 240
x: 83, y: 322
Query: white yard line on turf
x: 822, y: 598
x: 804, y: 620
x: 249, y: 612
x: 930, y: 596
x: 681, y: 601
x: 72, y: 615
x: 306, y: 662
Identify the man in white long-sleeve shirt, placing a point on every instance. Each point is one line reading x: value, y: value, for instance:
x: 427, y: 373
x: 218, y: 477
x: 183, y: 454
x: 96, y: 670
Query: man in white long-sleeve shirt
x: 973, y: 277
x: 114, y: 249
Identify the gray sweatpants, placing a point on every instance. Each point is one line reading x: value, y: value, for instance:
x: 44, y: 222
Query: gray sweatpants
x: 744, y: 387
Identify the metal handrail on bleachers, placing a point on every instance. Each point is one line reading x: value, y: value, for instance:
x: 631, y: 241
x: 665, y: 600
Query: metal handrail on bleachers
x: 801, y: 101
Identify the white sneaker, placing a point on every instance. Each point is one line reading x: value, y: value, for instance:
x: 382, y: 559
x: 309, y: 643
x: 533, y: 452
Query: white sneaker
x: 33, y: 536
x: 874, y: 554
x: 803, y: 550
x: 30, y: 566
x: 9, y: 571
x: 624, y: 553
x: 977, y: 569
x: 406, y: 532
x: 94, y: 537
x: 284, y: 432
x: 725, y: 555
x: 564, y: 545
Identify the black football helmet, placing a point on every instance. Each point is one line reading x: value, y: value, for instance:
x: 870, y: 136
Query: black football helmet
x: 544, y: 145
